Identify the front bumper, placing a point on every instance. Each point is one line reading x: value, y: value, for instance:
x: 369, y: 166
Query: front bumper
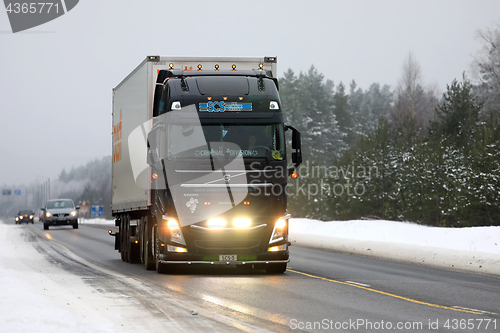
x: 243, y: 259
x: 57, y: 221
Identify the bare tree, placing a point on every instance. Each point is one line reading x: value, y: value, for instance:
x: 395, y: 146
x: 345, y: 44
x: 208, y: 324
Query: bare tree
x: 486, y: 68
x: 413, y: 105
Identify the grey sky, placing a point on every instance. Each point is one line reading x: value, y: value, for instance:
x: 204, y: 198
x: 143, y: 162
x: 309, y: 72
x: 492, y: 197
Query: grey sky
x: 56, y: 79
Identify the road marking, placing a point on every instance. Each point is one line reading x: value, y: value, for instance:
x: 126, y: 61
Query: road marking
x: 482, y: 311
x: 389, y: 294
x: 358, y: 283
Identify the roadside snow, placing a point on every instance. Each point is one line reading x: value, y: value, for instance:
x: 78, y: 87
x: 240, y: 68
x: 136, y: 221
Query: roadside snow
x: 471, y: 249
x: 38, y: 296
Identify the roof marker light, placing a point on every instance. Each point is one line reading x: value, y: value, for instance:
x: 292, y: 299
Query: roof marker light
x: 216, y: 67
x: 171, y: 65
x: 261, y: 66
x: 199, y: 67
x: 233, y: 67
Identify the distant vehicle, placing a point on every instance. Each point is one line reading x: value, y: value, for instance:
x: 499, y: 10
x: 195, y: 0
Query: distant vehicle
x: 25, y: 216
x: 60, y: 212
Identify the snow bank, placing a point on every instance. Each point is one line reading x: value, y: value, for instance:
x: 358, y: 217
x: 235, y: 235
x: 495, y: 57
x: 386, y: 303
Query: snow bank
x: 472, y: 249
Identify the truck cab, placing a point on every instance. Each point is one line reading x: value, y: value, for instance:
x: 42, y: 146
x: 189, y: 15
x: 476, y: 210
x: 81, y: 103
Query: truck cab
x: 222, y: 169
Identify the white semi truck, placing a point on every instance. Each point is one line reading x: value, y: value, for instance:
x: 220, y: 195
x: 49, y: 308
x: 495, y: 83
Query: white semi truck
x: 200, y: 165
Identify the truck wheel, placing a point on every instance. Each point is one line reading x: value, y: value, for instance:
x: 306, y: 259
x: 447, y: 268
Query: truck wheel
x: 276, y: 268
x: 160, y: 268
x: 45, y: 226
x: 123, y: 238
x: 146, y: 244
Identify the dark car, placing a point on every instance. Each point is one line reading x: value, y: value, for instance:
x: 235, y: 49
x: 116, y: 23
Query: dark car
x: 25, y: 216
x: 60, y: 212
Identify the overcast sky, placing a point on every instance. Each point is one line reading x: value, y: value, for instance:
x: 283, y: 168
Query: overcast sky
x: 56, y: 79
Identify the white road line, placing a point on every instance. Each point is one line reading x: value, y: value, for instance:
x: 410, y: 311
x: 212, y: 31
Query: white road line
x: 358, y: 283
x: 475, y: 310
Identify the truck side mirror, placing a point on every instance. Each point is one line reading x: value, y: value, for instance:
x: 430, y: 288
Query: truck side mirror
x: 296, y: 145
x: 153, y: 155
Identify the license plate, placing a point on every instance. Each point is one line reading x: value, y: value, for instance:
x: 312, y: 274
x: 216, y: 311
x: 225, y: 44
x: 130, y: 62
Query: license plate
x: 228, y: 257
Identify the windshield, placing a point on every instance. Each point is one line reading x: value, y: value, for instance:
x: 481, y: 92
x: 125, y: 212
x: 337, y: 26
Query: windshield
x: 225, y: 140
x: 60, y: 204
x: 26, y: 212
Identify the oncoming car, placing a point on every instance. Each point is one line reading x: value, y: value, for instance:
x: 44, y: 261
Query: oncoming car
x: 60, y: 212
x: 25, y: 216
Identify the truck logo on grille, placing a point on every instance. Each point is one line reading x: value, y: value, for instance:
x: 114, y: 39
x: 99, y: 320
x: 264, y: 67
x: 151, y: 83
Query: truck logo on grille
x: 191, y: 204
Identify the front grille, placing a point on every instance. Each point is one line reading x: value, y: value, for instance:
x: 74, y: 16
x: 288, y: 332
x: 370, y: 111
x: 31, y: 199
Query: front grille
x: 227, y: 245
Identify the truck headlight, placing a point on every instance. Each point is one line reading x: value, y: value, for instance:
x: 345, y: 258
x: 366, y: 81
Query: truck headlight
x: 279, y: 232
x: 241, y: 223
x: 216, y: 222
x: 175, y: 231
x: 282, y: 247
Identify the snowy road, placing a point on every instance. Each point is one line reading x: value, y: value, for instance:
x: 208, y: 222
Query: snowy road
x: 82, y: 285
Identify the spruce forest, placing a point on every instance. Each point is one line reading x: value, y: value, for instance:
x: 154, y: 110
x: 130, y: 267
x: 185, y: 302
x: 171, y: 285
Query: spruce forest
x: 406, y: 154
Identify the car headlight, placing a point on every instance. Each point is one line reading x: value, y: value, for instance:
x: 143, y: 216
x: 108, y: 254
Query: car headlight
x: 17, y: 219
x: 73, y: 213
x: 48, y: 214
x: 279, y: 232
x: 31, y: 216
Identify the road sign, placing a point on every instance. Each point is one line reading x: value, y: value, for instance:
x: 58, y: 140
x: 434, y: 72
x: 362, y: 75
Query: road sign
x: 17, y: 192
x: 97, y: 211
x: 84, y: 207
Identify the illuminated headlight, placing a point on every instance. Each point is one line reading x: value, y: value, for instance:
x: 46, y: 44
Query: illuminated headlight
x: 21, y: 217
x: 171, y: 248
x: 216, y: 222
x: 277, y: 248
x: 279, y: 232
x: 17, y: 219
x: 175, y: 232
x: 176, y: 106
x: 48, y: 214
x: 31, y: 216
x: 241, y: 223
x: 73, y: 213
x: 273, y: 105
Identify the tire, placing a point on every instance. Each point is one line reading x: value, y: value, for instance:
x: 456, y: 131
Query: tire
x: 123, y: 237
x: 147, y: 257
x: 160, y: 268
x: 276, y: 268
x: 75, y: 225
x: 45, y: 226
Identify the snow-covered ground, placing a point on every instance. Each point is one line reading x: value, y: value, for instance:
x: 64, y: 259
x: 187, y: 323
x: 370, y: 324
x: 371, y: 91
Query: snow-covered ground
x: 38, y: 296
